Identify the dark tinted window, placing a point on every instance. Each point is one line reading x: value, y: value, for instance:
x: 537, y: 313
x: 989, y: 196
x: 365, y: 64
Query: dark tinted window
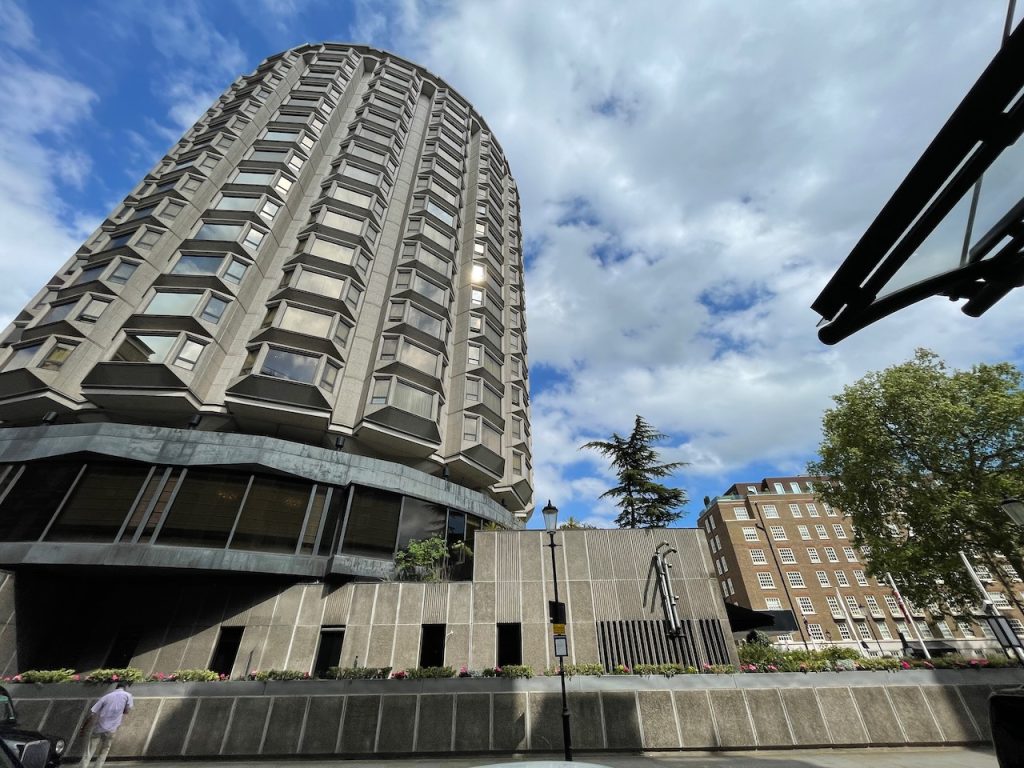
x: 204, y: 509
x: 432, y: 645
x: 272, y: 517
x: 420, y: 520
x: 34, y: 498
x: 510, y: 644
x: 372, y: 526
x: 99, y: 504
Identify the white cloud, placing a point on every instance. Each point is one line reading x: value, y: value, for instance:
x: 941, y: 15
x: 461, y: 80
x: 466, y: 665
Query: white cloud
x: 15, y: 26
x: 691, y: 175
x: 39, y: 230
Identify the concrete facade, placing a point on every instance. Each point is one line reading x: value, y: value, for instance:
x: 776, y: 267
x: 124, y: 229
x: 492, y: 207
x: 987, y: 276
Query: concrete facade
x: 614, y: 610
x: 691, y: 712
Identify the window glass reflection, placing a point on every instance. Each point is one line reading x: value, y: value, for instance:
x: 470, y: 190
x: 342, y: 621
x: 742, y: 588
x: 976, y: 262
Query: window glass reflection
x: 101, y: 500
x: 292, y: 366
x: 204, y: 509
x: 272, y: 517
x: 372, y: 527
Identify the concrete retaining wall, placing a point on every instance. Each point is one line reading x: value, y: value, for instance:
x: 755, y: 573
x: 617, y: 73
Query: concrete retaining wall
x: 350, y: 718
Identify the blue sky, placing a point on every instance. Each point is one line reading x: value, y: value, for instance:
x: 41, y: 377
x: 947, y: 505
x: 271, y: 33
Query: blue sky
x: 691, y: 174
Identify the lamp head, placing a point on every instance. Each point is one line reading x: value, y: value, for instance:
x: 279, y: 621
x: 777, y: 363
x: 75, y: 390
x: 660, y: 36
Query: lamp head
x: 550, y: 513
x: 1014, y: 508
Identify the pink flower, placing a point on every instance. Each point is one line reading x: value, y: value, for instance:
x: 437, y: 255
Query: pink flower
x: 927, y: 665
x: 904, y: 664
x: 114, y: 677
x: 16, y: 679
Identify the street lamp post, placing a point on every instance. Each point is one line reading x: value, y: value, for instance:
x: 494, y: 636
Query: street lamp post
x: 551, y: 525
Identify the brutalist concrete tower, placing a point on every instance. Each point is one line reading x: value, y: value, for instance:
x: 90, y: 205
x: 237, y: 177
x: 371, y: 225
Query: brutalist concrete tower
x: 298, y: 345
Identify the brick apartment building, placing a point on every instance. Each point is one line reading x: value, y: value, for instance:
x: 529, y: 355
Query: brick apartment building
x: 777, y: 546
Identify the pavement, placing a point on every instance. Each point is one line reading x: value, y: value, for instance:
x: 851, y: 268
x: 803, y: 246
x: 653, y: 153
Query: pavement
x: 875, y: 757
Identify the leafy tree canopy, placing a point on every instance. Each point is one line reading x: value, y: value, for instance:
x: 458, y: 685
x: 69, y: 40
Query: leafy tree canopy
x: 572, y: 524
x: 923, y: 455
x: 644, y: 502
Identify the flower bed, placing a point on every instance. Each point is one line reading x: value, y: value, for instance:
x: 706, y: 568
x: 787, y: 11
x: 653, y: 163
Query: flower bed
x: 753, y: 660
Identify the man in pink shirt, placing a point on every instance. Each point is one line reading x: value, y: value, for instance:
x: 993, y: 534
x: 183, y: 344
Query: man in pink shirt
x: 104, y: 719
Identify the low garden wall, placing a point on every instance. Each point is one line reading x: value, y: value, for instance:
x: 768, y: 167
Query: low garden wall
x: 351, y: 718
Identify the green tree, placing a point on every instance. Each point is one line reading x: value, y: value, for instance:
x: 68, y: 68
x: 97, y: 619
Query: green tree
x: 921, y: 456
x: 644, y: 502
x: 422, y: 560
x: 572, y: 524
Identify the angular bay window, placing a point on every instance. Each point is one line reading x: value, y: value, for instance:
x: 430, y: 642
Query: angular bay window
x: 202, y: 304
x: 249, y: 236
x: 292, y: 366
x: 403, y: 311
x: 407, y: 279
x: 309, y: 322
x: 22, y: 357
x: 404, y: 396
x: 229, y: 268
x: 92, y: 309
x: 400, y: 349
x: 180, y: 350
x: 57, y: 356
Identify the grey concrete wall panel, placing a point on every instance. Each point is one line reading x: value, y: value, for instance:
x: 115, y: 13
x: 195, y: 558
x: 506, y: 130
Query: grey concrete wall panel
x: 64, y: 718
x: 248, y: 724
x: 211, y: 723
x: 275, y: 648
x: 731, y: 718
x: 878, y: 715
x: 284, y: 727
x: 410, y: 605
x: 459, y: 601
x: 509, y: 713
x: 436, y: 719
x: 535, y: 606
x: 976, y: 699
x: 172, y: 725
x: 385, y: 608
x: 323, y: 725
x: 587, y: 722
x: 406, y: 652
x: 537, y: 639
x: 545, y: 713
x: 531, y: 554
x: 581, y: 597
x: 768, y: 718
x: 359, y: 731
x: 311, y: 609
x: 397, y: 728
x: 303, y: 647
x: 951, y: 715
x: 199, y: 648
x: 696, y: 723
x: 576, y: 559
x: 805, y: 717
x: 658, y: 720
x: 849, y: 728
x: 32, y: 712
x: 286, y: 609
x: 382, y: 643
x: 621, y: 721
x: 472, y: 722
x: 483, y: 646
x: 919, y: 727
x: 363, y: 598
x: 484, y: 559
x: 483, y: 602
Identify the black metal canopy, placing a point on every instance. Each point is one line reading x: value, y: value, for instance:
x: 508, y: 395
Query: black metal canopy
x: 987, y: 122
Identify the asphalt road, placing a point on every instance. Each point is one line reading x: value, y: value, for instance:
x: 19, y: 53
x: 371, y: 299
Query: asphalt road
x: 935, y: 757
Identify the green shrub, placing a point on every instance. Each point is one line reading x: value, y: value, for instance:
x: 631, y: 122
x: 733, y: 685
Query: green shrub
x: 593, y: 669
x: 887, y: 664
x: 125, y: 675
x: 278, y: 674
x: 194, y: 676
x: 45, y: 676
x: 427, y: 673
x: 668, y: 670
x: 511, y: 671
x: 357, y: 673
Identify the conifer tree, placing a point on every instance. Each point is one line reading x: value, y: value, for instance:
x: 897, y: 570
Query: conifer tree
x: 645, y: 503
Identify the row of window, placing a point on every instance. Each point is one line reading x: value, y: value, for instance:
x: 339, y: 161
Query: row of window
x: 778, y: 532
x: 67, y: 501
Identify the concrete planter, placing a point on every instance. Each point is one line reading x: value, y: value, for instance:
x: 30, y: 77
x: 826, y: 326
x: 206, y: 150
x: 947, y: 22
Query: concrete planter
x: 362, y: 718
